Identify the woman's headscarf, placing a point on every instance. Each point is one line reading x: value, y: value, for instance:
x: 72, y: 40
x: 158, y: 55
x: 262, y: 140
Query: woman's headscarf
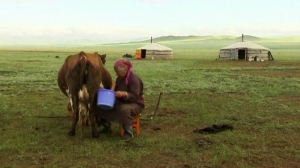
x: 122, y: 63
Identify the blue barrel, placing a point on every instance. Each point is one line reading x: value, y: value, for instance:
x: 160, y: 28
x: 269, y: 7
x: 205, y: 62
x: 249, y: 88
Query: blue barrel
x: 106, y: 99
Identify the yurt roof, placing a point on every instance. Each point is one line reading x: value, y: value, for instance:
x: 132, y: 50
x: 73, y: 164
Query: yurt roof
x: 245, y: 44
x: 155, y: 46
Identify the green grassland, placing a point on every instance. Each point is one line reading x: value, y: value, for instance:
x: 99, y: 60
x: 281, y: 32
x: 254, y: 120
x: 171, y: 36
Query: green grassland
x: 259, y: 99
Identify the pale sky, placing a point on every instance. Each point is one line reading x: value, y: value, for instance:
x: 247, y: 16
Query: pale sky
x: 120, y: 20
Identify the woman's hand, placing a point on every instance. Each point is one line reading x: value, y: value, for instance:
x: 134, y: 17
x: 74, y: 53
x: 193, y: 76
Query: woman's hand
x: 120, y: 94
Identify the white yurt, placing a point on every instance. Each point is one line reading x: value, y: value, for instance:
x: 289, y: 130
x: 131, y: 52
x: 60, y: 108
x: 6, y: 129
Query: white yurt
x: 245, y: 50
x: 154, y: 51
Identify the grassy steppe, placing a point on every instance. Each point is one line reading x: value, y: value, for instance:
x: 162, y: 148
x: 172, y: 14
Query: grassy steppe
x: 259, y: 99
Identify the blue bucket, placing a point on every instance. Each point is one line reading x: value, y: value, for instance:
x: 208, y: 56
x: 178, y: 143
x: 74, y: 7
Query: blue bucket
x: 106, y: 99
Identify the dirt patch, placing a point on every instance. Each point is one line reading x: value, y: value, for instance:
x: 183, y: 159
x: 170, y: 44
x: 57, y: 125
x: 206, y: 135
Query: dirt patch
x: 287, y: 99
x: 267, y: 161
x: 171, y: 113
x: 272, y: 74
x: 247, y: 64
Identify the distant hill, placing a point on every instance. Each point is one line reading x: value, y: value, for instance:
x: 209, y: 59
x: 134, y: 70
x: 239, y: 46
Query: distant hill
x: 173, y: 38
x: 248, y: 38
x: 6, y: 41
x: 209, y: 38
x: 200, y: 38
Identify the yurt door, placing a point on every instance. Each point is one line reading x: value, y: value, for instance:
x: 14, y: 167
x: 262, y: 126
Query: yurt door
x: 143, y: 55
x: 242, y: 54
